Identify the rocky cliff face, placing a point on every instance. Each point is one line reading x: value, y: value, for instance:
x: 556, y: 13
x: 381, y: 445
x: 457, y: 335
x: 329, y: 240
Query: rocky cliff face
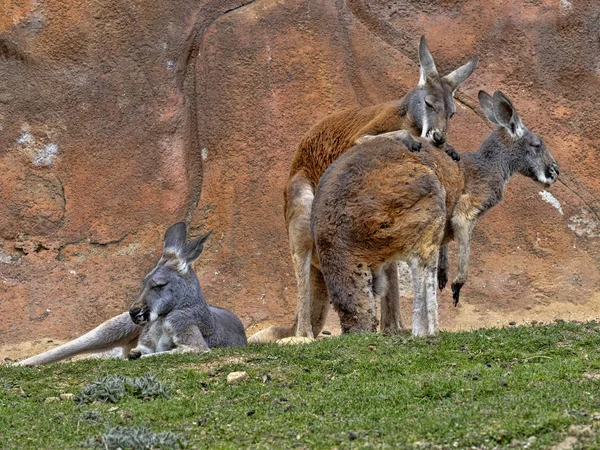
x: 118, y: 119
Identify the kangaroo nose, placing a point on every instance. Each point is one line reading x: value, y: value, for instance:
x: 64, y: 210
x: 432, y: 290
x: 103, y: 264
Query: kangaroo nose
x: 438, y: 139
x: 552, y: 172
x: 138, y: 315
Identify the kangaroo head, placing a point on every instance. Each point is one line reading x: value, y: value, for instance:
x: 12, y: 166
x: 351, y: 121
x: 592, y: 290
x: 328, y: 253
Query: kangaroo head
x: 530, y: 155
x: 431, y: 104
x: 171, y: 282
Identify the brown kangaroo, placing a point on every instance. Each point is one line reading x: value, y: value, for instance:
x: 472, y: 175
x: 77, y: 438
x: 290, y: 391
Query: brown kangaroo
x: 379, y: 203
x: 424, y: 111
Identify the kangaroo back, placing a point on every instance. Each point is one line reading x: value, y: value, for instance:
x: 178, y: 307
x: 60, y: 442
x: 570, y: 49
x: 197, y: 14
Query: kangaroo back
x: 229, y: 330
x: 424, y: 111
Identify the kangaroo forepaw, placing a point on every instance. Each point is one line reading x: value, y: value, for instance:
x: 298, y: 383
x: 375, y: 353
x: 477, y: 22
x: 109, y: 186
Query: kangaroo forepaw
x: 134, y: 354
x: 451, y: 152
x: 456, y: 292
x: 411, y: 143
x: 140, y: 315
x: 442, y: 278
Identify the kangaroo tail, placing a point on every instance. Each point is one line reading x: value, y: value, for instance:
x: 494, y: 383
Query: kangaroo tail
x: 272, y: 334
x: 119, y: 331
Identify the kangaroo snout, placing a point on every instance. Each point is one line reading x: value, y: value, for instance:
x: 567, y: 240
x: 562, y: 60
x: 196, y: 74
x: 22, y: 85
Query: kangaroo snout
x: 139, y: 315
x: 554, y: 170
x: 552, y: 173
x: 438, y: 139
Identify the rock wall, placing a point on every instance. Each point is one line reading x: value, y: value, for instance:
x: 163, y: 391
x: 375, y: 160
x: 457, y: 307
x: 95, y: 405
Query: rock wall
x: 119, y: 118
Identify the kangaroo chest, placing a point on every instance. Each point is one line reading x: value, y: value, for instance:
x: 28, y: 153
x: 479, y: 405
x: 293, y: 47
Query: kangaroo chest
x: 158, y: 336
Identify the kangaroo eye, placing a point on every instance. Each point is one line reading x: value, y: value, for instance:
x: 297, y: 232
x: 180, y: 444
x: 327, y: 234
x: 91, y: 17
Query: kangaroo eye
x: 159, y: 285
x: 536, y: 145
x: 451, y: 115
x: 429, y: 105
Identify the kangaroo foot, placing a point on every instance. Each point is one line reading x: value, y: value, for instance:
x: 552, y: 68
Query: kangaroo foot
x: 442, y: 277
x: 134, y: 354
x: 295, y: 340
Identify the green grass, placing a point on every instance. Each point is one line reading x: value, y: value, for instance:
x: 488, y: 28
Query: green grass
x: 489, y: 388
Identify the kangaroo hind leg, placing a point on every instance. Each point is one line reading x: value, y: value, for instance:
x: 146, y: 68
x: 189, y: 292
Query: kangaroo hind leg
x: 300, y: 195
x: 350, y: 287
x: 320, y: 300
x: 425, y: 307
x: 391, y: 318
x: 120, y: 331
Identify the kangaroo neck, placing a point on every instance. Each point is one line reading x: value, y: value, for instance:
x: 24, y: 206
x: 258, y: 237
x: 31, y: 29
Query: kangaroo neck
x: 405, y: 108
x: 488, y: 170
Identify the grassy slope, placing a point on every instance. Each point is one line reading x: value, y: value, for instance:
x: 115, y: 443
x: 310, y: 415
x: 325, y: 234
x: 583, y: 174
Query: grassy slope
x: 482, y: 389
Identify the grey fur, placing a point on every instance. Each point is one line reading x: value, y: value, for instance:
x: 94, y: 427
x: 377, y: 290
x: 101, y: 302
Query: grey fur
x: 456, y: 77
x: 172, y: 302
x: 510, y: 149
x: 426, y: 62
x: 431, y: 103
x: 170, y: 314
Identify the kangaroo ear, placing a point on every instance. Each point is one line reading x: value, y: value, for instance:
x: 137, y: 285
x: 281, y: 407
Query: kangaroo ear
x: 507, y: 116
x: 426, y: 61
x: 487, y: 104
x: 193, y: 249
x: 175, y: 238
x: 459, y: 75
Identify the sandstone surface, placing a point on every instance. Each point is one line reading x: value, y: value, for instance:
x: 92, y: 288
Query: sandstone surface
x: 118, y: 119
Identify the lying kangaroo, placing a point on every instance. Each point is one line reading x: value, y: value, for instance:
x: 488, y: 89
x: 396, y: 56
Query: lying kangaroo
x: 379, y: 203
x: 170, y: 314
x: 424, y: 111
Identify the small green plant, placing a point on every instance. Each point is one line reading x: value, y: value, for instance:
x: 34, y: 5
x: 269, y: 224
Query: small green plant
x: 525, y: 387
x: 134, y: 438
x: 90, y: 416
x: 113, y: 388
x: 146, y: 387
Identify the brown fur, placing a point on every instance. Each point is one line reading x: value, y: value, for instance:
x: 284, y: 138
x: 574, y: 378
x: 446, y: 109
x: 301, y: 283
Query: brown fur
x: 333, y: 136
x: 379, y: 203
x: 322, y: 145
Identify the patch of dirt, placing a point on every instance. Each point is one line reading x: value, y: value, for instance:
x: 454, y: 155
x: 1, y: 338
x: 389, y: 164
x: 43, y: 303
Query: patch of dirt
x: 28, y: 348
x: 208, y: 365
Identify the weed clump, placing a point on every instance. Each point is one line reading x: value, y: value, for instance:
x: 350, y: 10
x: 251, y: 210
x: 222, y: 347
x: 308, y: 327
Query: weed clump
x: 134, y: 438
x: 113, y: 388
x: 90, y: 416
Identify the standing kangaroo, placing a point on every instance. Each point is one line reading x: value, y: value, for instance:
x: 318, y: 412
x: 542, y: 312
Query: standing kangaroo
x: 424, y: 111
x: 170, y: 314
x: 379, y: 203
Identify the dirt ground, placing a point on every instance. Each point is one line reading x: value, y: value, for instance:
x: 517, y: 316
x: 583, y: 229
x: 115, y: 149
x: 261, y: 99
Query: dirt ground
x: 463, y: 317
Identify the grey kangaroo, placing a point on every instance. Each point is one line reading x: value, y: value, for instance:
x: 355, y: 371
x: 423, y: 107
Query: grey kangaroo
x: 379, y: 203
x: 170, y: 314
x: 424, y: 111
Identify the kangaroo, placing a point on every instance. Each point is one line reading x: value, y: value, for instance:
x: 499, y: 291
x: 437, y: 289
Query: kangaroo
x: 379, y: 203
x: 424, y: 111
x: 171, y: 302
x: 170, y: 314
